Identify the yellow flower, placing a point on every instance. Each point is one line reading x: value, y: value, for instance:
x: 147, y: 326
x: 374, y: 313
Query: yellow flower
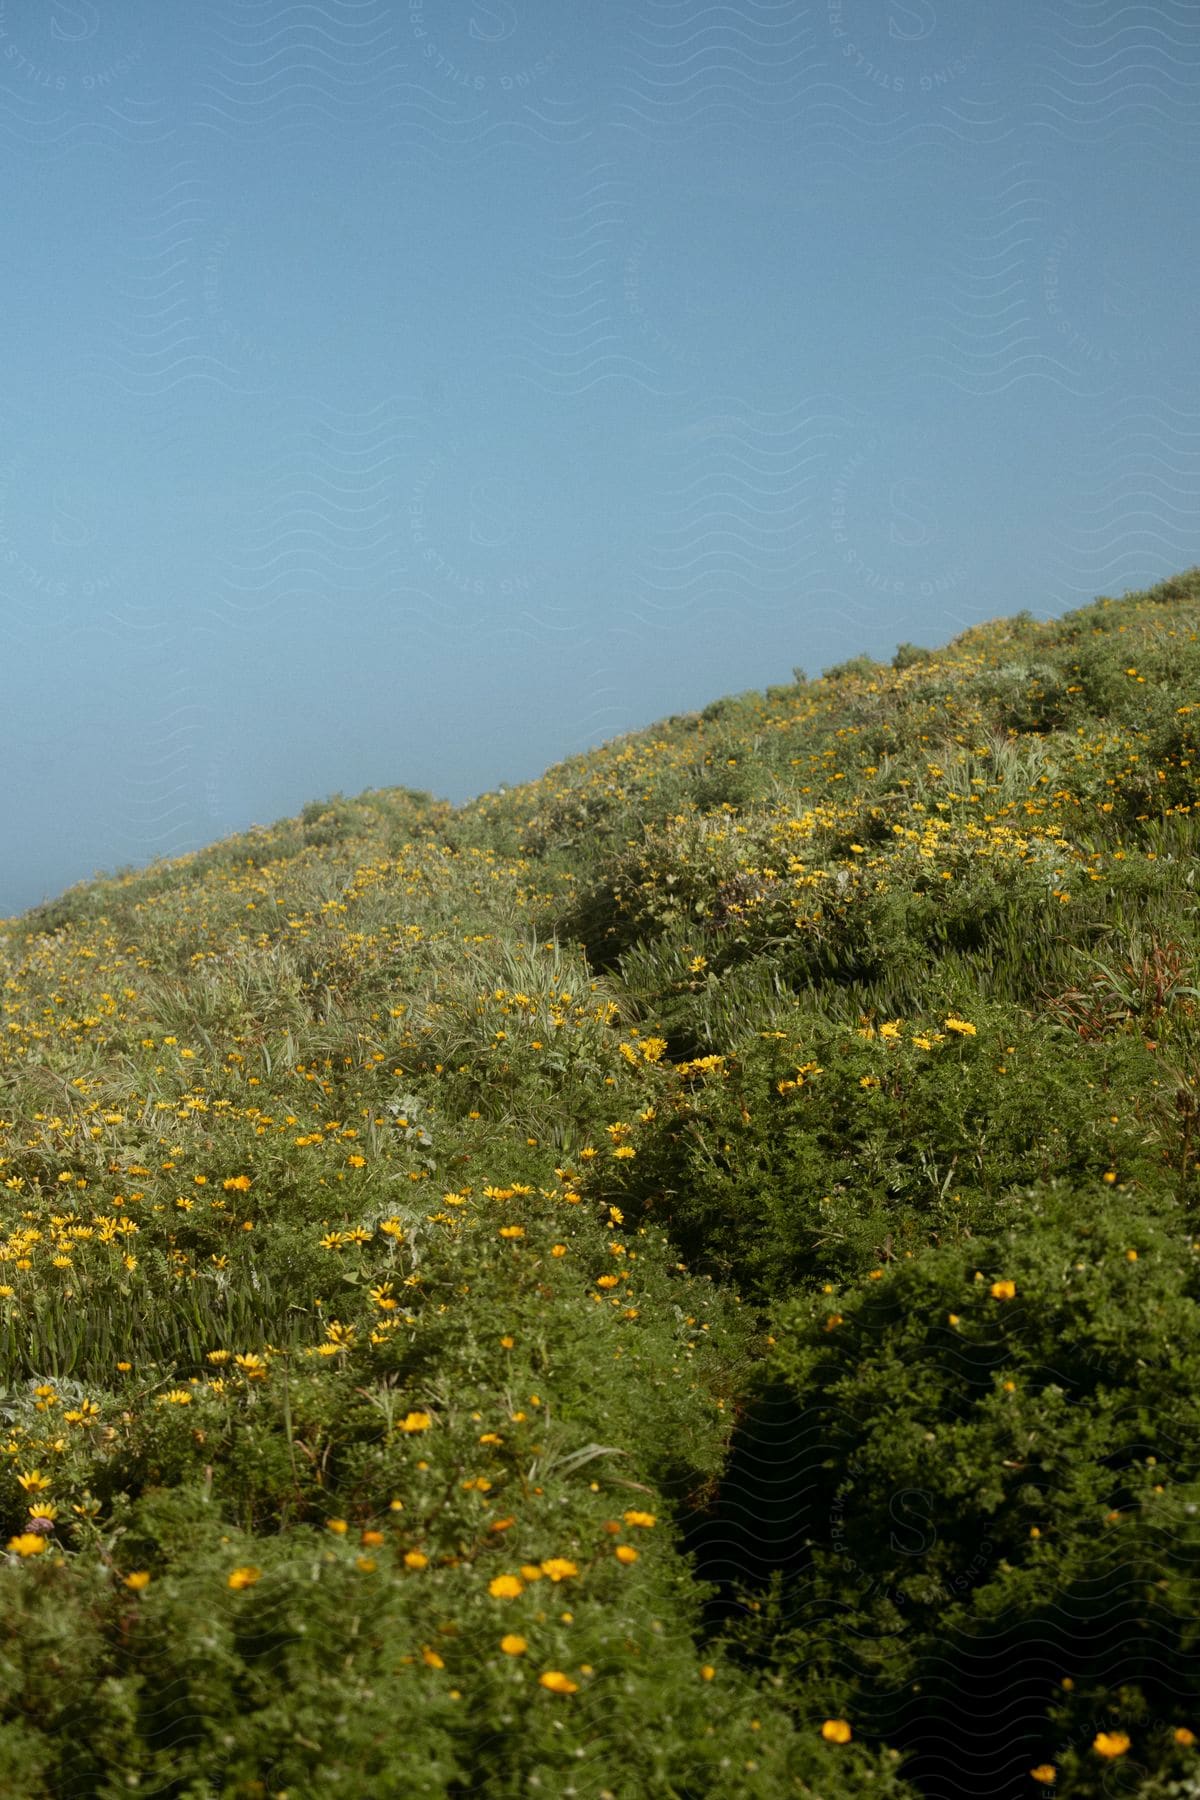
x: 336, y: 1525
x: 513, y: 1644
x: 139, y: 1579
x: 558, y: 1250
x: 244, y: 1577
x: 29, y: 1543
x: 416, y: 1559
x: 1110, y: 1743
x: 34, y: 1482
x: 1003, y: 1290
x: 431, y: 1658
x: 644, y: 1519
x: 416, y: 1421
x: 558, y: 1568
x: 963, y: 1028
x: 707, y: 1672
x: 236, y: 1184
x: 558, y: 1683
x: 505, y: 1587
x: 836, y: 1731
x: 512, y: 1231
x: 1184, y: 1736
x: 1045, y: 1773
x: 625, y: 1553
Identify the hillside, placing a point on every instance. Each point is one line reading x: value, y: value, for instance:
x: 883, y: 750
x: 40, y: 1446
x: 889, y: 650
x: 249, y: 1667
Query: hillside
x: 676, y: 1280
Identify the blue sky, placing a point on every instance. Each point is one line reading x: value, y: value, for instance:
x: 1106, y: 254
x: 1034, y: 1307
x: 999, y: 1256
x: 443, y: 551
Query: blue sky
x: 399, y: 392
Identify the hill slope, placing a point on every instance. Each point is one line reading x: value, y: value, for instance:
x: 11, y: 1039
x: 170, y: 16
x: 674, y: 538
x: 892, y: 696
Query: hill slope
x: 609, y: 1288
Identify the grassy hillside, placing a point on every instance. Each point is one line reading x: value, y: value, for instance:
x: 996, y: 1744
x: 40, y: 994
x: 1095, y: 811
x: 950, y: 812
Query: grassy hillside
x: 677, y: 1280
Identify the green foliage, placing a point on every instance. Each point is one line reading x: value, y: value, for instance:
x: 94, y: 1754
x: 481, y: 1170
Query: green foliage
x: 863, y: 666
x: 807, y: 1156
x: 909, y: 655
x: 584, y: 1189
x: 1003, y: 1469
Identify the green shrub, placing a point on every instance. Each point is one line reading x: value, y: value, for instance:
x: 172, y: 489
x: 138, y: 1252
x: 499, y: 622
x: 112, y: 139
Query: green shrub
x: 862, y: 666
x: 811, y: 1154
x: 997, y: 1447
x: 909, y: 655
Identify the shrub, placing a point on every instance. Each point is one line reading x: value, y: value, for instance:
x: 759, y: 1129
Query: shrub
x: 998, y: 1475
x: 811, y: 1154
x: 909, y: 655
x: 862, y: 666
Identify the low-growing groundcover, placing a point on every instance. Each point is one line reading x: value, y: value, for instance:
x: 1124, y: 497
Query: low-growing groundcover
x: 681, y: 1279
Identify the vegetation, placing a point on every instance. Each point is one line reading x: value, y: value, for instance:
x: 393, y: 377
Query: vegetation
x: 681, y: 1279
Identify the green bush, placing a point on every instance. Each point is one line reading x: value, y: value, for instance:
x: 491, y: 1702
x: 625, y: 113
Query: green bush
x: 862, y: 666
x: 998, y: 1455
x: 909, y: 655
x: 811, y: 1154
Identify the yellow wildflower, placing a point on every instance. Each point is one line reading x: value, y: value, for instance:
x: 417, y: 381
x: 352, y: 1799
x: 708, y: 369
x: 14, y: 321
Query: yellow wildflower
x: 558, y: 1683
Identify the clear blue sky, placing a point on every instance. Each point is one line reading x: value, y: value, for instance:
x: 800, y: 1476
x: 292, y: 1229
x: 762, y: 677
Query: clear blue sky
x: 406, y: 392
